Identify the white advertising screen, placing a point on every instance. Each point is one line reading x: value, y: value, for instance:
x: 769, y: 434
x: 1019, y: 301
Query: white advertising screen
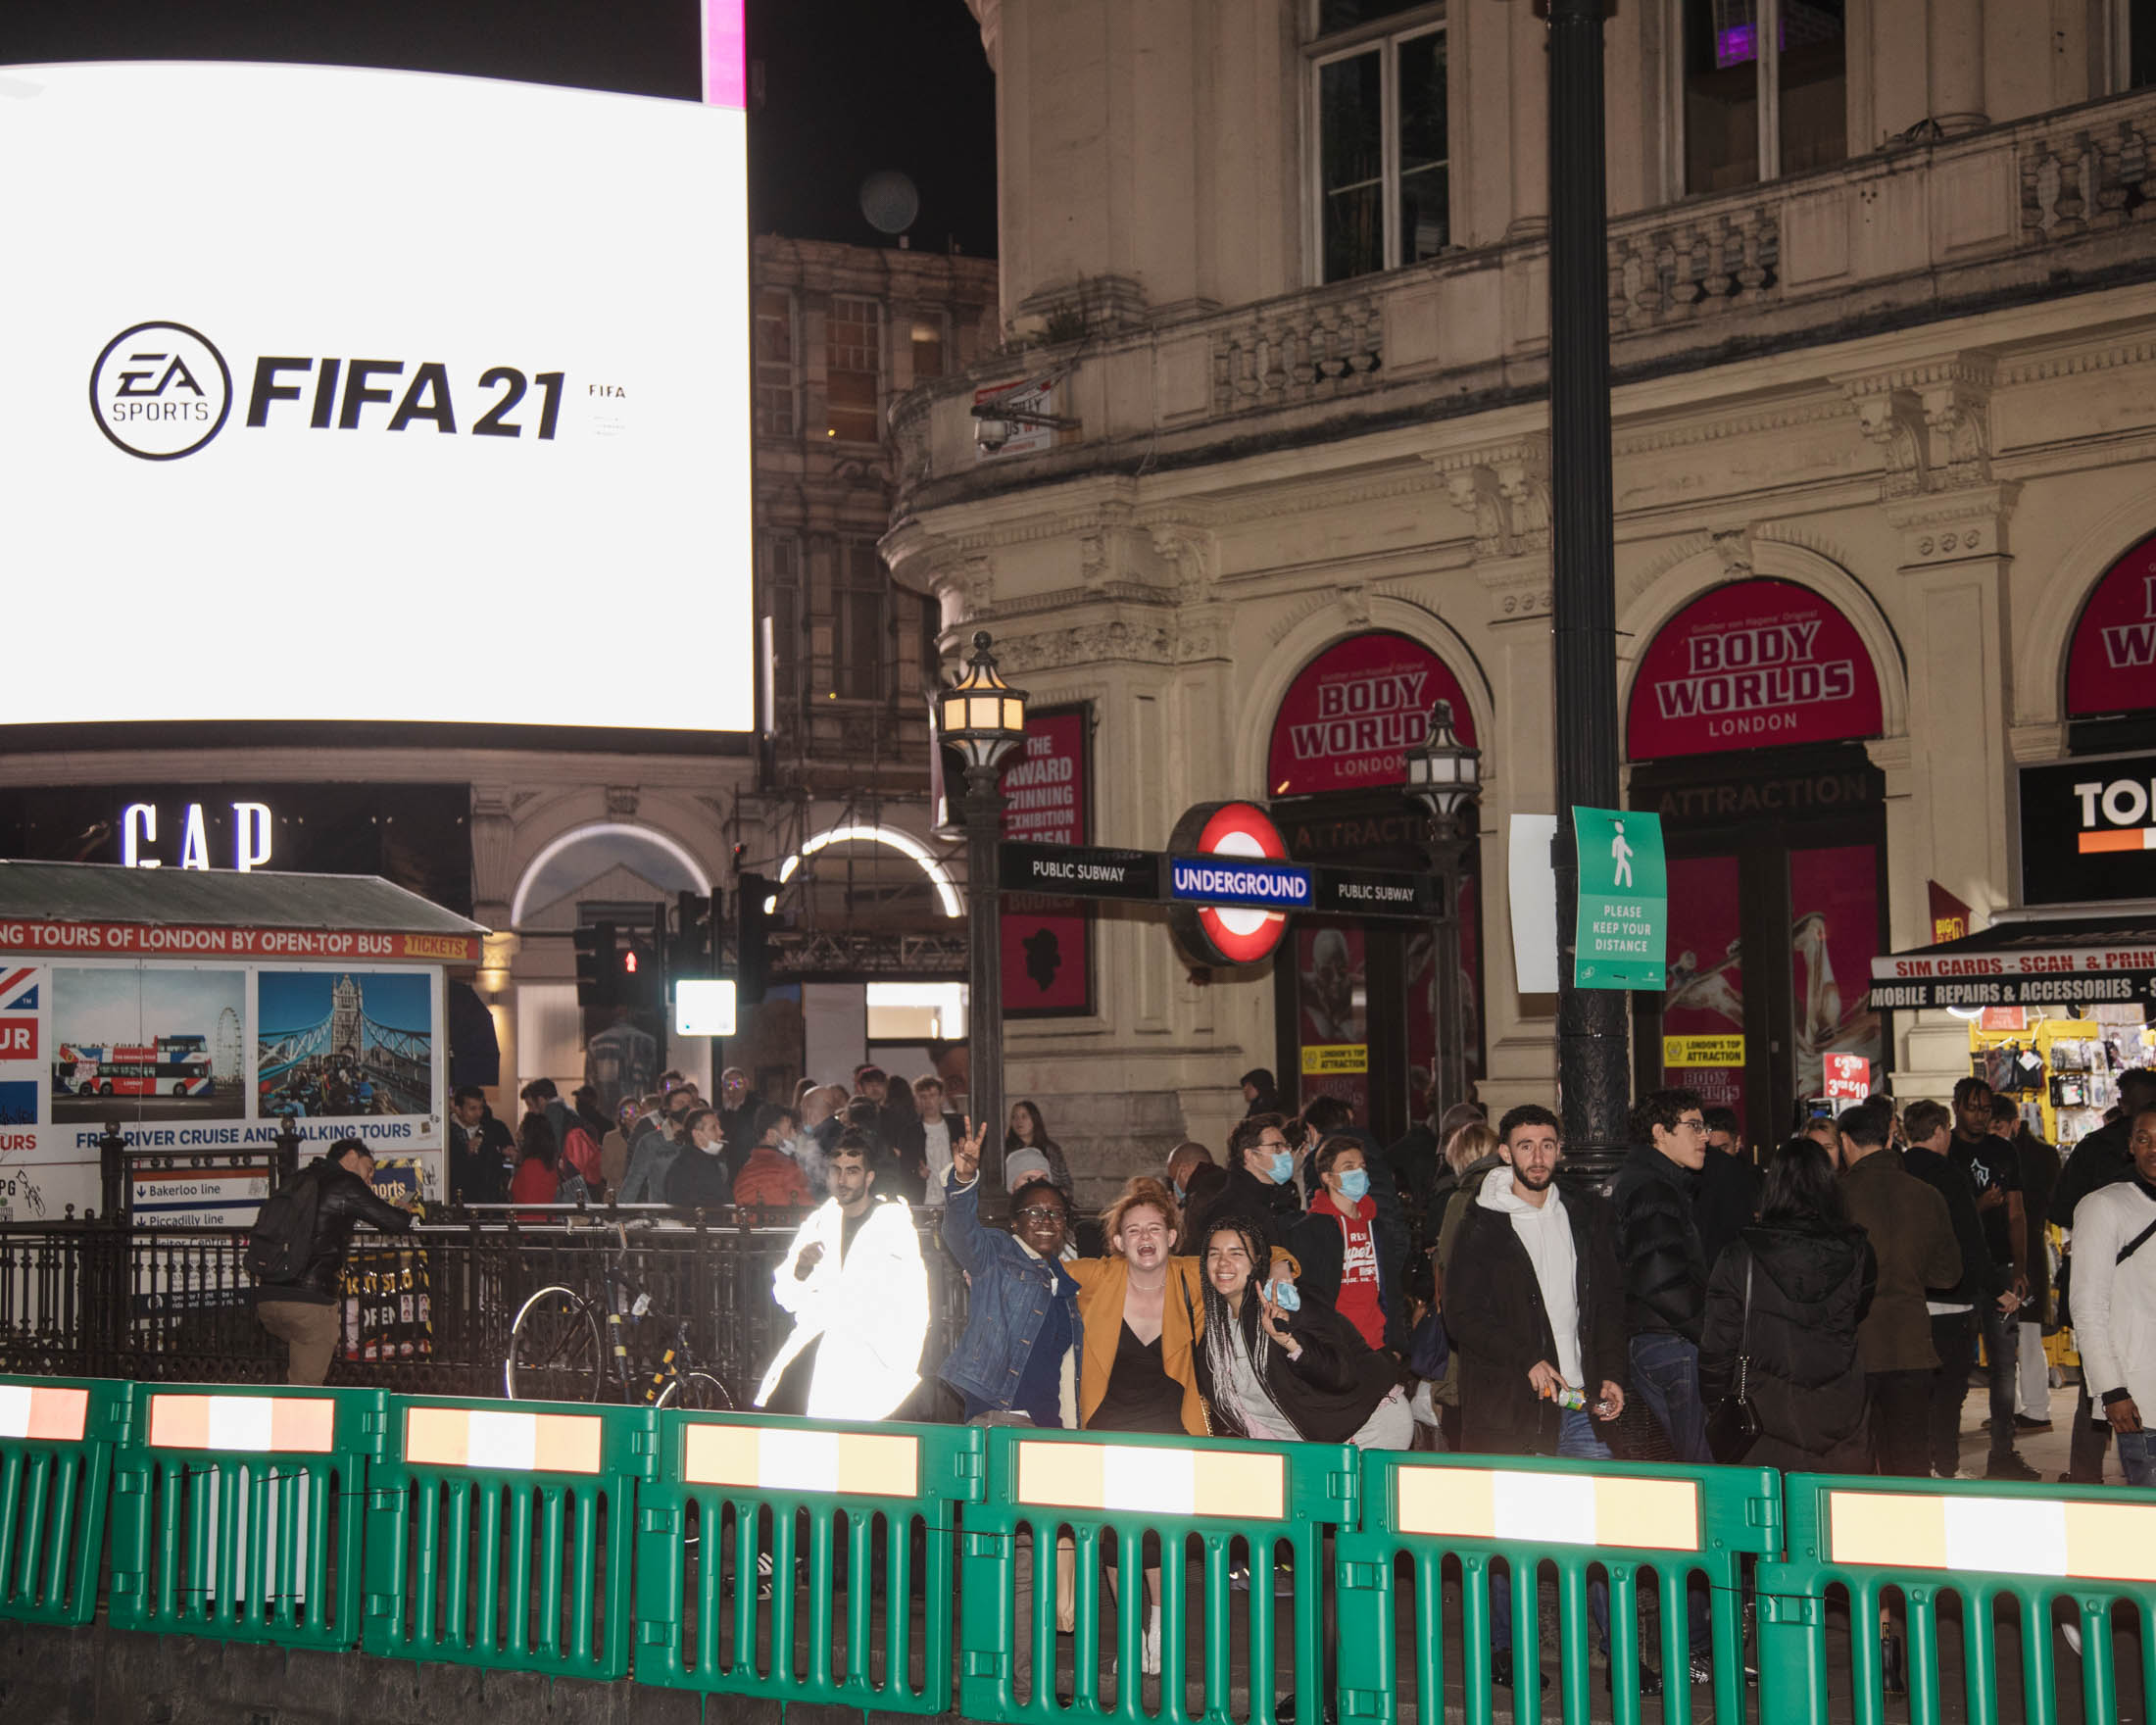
x: 359, y: 395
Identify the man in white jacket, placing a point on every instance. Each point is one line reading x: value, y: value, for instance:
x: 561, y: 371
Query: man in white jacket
x: 2115, y: 1301
x: 854, y: 1282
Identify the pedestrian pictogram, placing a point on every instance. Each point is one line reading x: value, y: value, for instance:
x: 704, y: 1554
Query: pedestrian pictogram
x: 1624, y: 899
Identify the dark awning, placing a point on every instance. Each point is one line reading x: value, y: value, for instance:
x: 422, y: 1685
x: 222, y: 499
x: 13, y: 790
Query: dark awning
x: 104, y: 892
x: 2043, y: 962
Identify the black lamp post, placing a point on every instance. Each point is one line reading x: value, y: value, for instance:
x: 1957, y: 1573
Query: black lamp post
x: 984, y: 718
x: 1444, y: 775
x: 1593, y: 1061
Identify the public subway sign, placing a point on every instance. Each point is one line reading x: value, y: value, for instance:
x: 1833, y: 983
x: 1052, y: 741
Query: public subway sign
x: 1749, y: 665
x: 1352, y: 712
x: 2089, y: 829
x: 2111, y: 666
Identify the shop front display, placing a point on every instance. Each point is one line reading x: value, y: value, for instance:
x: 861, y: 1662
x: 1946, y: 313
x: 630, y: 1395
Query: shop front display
x: 1745, y: 726
x: 1355, y: 1001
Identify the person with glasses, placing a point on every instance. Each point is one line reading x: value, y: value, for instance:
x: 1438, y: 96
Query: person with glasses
x: 1264, y: 1154
x: 1017, y: 1360
x: 1665, y: 1265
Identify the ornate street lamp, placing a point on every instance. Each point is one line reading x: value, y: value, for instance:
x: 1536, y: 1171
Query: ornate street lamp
x: 1444, y: 775
x: 984, y: 718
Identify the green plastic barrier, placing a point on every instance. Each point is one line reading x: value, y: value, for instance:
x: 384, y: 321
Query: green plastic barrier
x: 497, y: 1534
x: 1273, y: 1501
x: 56, y: 1461
x: 743, y: 1531
x: 236, y: 1512
x: 1611, y: 1518
x: 2052, y: 1557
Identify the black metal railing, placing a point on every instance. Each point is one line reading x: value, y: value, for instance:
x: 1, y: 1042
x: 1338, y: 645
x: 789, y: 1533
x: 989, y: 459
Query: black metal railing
x: 428, y: 1311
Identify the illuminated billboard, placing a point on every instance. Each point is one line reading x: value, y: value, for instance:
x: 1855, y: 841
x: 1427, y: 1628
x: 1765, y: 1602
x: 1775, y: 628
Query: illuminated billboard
x: 341, y: 394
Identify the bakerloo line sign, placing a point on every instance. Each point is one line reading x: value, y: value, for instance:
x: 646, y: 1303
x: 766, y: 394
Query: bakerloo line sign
x: 1226, y: 880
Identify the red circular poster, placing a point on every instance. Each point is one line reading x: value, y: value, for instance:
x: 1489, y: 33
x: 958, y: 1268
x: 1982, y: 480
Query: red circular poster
x: 1752, y: 665
x: 1349, y: 717
x: 2111, y: 664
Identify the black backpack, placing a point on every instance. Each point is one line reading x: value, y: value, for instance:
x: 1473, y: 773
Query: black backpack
x: 283, y: 1234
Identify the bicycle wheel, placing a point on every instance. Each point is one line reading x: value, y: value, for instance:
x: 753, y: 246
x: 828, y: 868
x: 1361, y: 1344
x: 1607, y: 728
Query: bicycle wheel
x: 554, y: 1350
x: 698, y: 1390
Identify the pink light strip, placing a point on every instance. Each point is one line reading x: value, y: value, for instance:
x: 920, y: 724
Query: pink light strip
x: 725, y: 54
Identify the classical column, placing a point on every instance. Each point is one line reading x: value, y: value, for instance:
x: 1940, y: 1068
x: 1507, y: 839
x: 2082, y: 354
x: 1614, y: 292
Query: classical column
x: 1955, y: 57
x: 1530, y: 114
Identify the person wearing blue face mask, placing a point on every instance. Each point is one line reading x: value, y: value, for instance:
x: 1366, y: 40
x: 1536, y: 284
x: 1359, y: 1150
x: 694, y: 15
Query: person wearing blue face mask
x: 1262, y: 1160
x: 1343, y: 1264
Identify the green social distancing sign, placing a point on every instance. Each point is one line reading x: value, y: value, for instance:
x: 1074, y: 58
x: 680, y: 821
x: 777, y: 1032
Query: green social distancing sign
x: 1624, y: 900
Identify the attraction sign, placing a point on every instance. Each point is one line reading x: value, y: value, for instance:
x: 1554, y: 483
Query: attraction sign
x: 1752, y: 664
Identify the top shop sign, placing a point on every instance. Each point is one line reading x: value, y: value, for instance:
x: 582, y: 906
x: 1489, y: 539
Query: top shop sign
x: 363, y: 367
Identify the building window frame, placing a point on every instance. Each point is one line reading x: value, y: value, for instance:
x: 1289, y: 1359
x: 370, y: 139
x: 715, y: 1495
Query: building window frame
x: 777, y: 379
x: 860, y: 606
x: 940, y: 318
x: 860, y: 308
x: 1767, y: 88
x: 2120, y: 40
x: 783, y: 567
x: 1383, y: 36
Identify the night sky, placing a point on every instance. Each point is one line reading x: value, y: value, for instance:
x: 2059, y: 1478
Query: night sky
x: 838, y: 88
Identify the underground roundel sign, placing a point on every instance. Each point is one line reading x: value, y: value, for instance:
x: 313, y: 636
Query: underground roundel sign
x: 1227, y: 934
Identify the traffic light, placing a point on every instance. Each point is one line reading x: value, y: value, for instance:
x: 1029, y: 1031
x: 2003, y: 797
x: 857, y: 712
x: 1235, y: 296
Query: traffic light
x: 596, y: 973
x: 752, y: 953
x: 638, y: 982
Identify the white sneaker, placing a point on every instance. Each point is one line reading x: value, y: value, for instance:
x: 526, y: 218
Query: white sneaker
x: 1149, y: 1645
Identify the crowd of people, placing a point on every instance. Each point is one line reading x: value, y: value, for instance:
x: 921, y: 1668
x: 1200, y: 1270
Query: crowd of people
x: 1448, y: 1290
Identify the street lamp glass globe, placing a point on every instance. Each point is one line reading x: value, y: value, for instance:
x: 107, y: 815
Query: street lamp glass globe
x: 980, y: 714
x: 1443, y: 773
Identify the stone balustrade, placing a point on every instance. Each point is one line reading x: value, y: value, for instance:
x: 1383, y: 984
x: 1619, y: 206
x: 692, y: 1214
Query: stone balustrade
x: 1911, y: 231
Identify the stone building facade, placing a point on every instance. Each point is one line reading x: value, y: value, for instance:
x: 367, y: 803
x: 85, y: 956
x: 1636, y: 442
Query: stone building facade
x: 1883, y: 337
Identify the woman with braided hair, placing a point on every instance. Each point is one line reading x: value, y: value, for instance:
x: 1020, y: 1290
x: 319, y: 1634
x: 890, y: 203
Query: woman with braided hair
x: 1269, y: 1370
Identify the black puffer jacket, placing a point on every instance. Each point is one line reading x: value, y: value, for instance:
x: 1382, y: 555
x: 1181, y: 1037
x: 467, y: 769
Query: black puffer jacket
x: 344, y: 1202
x: 1658, y: 1244
x: 1811, y: 1285
x: 1276, y: 1208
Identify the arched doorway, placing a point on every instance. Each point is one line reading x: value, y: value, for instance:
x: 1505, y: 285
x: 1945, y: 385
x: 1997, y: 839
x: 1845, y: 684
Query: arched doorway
x: 1355, y: 1001
x: 1745, y: 726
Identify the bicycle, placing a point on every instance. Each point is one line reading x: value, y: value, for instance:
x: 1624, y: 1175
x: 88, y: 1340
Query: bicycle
x: 555, y: 1352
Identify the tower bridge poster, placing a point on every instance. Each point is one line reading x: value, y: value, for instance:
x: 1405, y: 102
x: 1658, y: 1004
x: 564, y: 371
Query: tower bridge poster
x: 192, y: 1057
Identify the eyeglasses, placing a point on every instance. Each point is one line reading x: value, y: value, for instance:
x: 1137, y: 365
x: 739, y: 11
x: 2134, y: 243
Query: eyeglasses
x: 1040, y: 1213
x: 1690, y: 1125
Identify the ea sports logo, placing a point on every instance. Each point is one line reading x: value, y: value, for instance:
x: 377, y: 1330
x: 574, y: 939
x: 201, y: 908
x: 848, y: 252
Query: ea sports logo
x: 161, y: 390
x: 1228, y: 934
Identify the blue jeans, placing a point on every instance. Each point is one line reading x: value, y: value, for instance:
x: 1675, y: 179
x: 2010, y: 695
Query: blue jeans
x: 2137, y: 1456
x: 1665, y: 1375
x: 1576, y: 1442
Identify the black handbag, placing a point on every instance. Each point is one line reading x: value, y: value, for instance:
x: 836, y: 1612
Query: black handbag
x: 1733, y: 1424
